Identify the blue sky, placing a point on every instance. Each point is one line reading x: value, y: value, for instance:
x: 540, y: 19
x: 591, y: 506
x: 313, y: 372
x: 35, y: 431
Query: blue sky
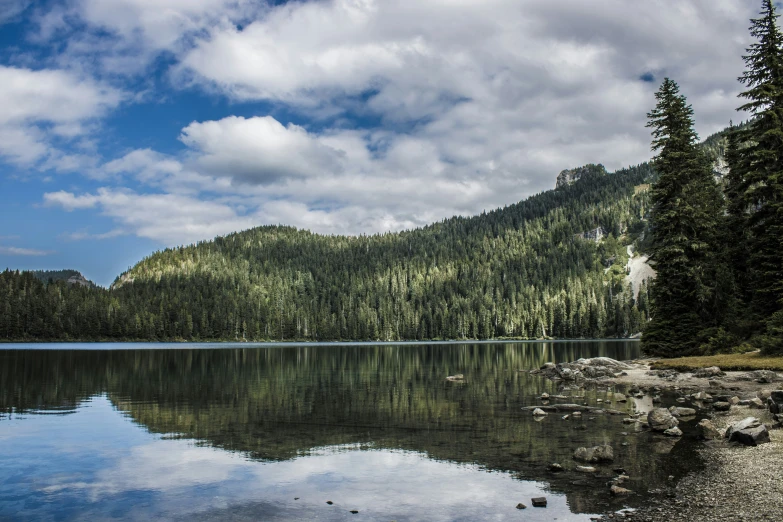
x: 131, y: 125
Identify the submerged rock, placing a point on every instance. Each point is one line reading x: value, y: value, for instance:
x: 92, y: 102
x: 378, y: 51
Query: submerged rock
x: 661, y: 419
x: 617, y: 491
x: 457, y: 377
x: 585, y: 469
x: 602, y: 453
x: 555, y: 467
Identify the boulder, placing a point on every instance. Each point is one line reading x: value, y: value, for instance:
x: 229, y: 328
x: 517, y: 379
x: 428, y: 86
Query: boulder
x: 555, y: 467
x: 704, y: 373
x: 682, y: 412
x: 755, y: 402
x: 538, y: 501
x: 538, y: 412
x: 702, y: 396
x: 545, y: 396
x: 673, y: 432
x: 602, y: 453
x: 721, y: 406
x: 660, y: 419
x: 751, y: 436
x: 744, y: 424
x: 734, y: 400
x: 706, y: 430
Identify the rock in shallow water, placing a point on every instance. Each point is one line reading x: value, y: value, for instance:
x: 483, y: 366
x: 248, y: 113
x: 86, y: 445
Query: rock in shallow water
x: 538, y: 501
x: 538, y: 412
x: 706, y: 430
x: 661, y: 419
x: 602, y: 453
x: 673, y: 432
x: 721, y: 406
x: 617, y: 491
x: 521, y: 506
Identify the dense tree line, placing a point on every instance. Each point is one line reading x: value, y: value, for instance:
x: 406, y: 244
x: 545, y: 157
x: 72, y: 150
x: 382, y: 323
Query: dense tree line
x: 719, y: 254
x: 522, y: 271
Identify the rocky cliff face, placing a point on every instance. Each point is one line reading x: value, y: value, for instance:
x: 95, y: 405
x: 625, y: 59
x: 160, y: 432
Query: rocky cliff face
x: 569, y: 176
x: 72, y: 277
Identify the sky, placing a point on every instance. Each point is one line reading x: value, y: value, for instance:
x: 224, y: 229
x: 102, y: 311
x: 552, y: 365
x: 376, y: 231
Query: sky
x: 128, y: 126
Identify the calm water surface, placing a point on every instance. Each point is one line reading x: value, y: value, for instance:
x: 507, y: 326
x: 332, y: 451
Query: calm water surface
x: 253, y: 432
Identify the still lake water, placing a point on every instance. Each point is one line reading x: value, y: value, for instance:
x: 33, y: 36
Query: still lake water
x: 259, y: 432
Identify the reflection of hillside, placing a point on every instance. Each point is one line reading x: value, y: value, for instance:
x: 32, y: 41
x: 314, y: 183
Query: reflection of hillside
x: 279, y: 403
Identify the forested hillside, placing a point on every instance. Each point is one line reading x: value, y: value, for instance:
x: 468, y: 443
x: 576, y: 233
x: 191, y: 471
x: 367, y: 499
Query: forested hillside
x: 524, y: 271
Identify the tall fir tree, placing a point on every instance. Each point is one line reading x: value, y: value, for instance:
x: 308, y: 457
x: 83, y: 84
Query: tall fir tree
x: 741, y: 322
x: 757, y: 170
x: 688, y: 297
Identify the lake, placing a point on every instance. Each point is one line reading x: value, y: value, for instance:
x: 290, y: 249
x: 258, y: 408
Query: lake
x: 260, y: 432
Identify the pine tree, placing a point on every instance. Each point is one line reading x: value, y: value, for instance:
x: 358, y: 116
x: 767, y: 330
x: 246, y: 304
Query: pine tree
x: 686, y: 221
x: 757, y: 170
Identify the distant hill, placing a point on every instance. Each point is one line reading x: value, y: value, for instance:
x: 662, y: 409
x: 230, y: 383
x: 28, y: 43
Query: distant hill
x: 73, y: 277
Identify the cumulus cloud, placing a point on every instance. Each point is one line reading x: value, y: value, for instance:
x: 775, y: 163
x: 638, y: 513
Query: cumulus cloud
x: 39, y: 105
x: 409, y: 111
x: 259, y: 150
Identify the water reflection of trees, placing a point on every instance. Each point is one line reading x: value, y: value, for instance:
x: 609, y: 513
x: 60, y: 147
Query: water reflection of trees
x: 278, y: 403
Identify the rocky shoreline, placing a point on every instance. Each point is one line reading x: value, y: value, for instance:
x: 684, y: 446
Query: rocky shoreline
x: 741, y: 448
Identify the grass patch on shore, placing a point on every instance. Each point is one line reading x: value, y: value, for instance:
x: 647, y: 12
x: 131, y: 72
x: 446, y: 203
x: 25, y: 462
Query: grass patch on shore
x: 726, y: 362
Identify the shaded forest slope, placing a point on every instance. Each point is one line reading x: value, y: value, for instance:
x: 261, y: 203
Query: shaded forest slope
x: 520, y: 271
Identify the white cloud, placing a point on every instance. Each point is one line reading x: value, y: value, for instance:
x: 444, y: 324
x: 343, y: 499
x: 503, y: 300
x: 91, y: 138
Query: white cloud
x: 167, y: 218
x: 18, y: 251
x: 39, y: 105
x: 10, y: 9
x: 415, y: 110
x: 259, y: 150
